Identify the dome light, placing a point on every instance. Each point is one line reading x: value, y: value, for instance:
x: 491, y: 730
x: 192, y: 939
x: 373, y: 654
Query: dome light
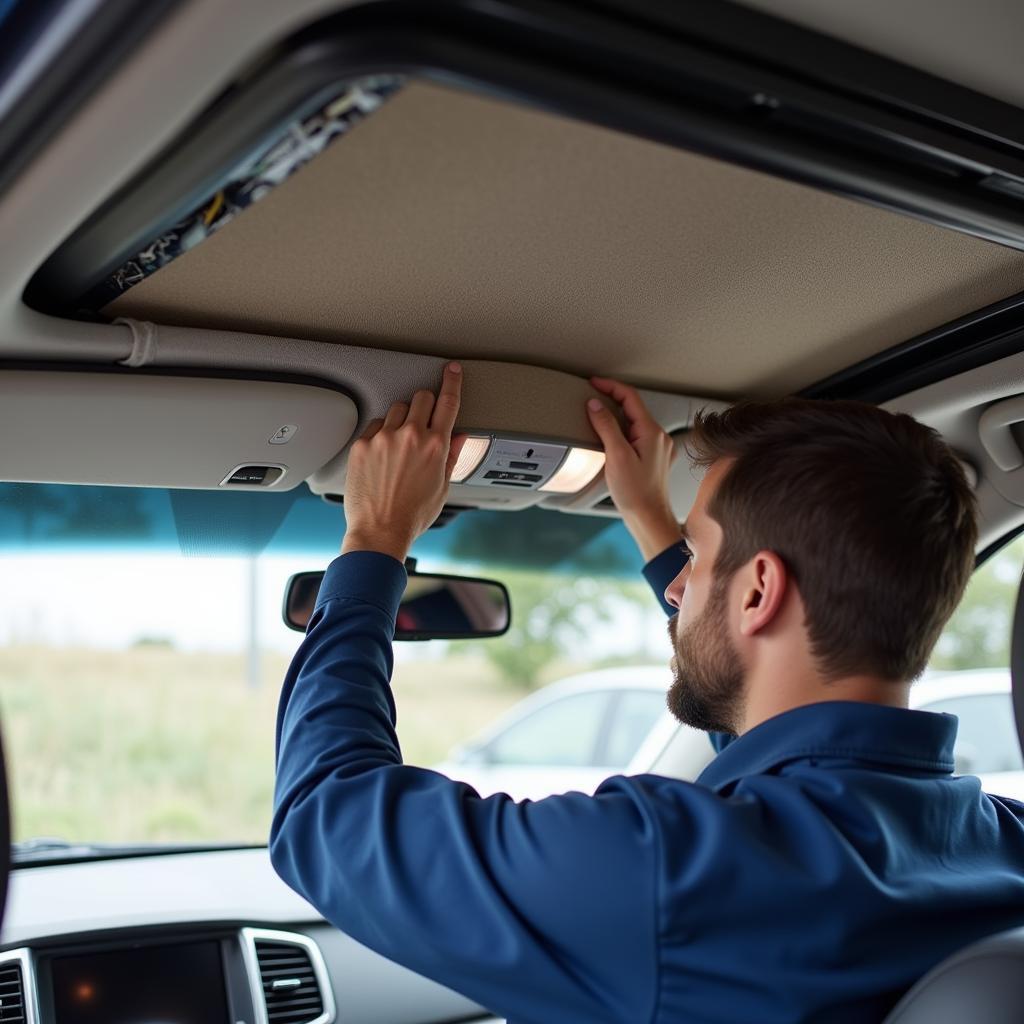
x: 579, y: 469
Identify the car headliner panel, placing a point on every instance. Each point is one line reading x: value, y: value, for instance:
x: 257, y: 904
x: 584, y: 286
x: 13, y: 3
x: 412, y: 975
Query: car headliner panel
x: 461, y: 225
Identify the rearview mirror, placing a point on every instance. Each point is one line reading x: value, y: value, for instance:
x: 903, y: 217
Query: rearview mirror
x: 433, y: 607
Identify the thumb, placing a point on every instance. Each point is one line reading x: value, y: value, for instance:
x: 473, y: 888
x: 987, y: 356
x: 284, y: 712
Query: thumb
x: 453, y: 455
x: 605, y: 425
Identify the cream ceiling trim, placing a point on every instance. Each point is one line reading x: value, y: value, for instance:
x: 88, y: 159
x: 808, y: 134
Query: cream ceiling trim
x: 457, y: 224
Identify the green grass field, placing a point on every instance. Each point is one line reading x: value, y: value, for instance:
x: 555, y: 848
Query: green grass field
x: 151, y: 744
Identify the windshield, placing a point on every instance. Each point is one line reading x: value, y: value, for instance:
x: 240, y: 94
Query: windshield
x: 142, y: 652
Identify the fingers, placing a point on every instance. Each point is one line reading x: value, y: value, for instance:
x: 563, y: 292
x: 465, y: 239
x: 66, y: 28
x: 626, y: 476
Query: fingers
x: 605, y: 425
x: 420, y: 408
x: 424, y: 410
x: 446, y: 409
x: 631, y: 402
x: 371, y: 428
x: 396, y: 415
x: 453, y: 455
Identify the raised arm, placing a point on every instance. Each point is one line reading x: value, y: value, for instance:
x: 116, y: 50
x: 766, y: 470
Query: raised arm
x: 543, y: 910
x: 637, y: 466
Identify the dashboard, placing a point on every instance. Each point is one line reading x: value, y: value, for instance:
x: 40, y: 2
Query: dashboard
x: 194, y: 938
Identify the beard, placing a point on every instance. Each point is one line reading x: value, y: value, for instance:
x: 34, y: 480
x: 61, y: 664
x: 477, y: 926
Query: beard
x: 707, y: 683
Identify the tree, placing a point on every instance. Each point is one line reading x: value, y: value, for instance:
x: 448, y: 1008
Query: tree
x: 978, y: 634
x: 553, y: 617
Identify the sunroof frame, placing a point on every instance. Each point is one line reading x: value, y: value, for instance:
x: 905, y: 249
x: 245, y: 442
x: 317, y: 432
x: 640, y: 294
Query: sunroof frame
x: 715, y: 78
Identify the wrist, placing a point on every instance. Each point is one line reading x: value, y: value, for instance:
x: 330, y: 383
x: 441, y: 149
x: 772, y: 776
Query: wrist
x: 395, y: 545
x: 654, y: 530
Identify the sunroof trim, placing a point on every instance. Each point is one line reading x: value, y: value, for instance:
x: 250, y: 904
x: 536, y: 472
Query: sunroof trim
x: 299, y: 142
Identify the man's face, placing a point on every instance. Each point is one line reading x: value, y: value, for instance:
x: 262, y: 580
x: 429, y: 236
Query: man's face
x: 707, y: 685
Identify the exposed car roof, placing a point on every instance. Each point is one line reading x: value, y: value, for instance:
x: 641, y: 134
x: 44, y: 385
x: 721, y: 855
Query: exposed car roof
x: 461, y: 225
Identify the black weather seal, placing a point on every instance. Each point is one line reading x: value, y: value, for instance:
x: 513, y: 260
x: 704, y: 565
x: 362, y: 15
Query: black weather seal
x: 56, y: 56
x: 963, y: 344
x: 843, y: 67
x: 667, y: 72
x: 997, y: 545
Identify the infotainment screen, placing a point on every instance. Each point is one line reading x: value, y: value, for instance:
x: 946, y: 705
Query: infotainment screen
x: 179, y: 984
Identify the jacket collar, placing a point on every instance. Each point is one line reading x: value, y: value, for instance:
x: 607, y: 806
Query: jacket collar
x: 876, y: 735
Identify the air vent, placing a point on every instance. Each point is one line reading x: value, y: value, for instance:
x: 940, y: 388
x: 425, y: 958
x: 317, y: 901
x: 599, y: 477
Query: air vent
x: 288, y: 977
x: 290, y: 989
x: 12, y: 994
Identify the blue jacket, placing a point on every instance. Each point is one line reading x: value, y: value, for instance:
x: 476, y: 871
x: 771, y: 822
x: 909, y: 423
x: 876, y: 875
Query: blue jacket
x: 821, y: 863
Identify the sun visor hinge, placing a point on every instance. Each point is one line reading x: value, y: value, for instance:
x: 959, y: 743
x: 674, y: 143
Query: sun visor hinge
x: 143, y: 341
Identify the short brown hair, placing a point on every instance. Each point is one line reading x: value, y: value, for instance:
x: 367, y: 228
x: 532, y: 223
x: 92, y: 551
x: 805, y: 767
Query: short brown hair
x: 870, y: 511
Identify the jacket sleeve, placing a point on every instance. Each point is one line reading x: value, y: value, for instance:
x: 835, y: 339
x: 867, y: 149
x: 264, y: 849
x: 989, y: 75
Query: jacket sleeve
x: 659, y: 572
x: 540, y: 911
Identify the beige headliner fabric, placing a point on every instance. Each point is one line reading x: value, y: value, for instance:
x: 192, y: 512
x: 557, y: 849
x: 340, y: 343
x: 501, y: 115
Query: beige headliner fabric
x: 458, y: 225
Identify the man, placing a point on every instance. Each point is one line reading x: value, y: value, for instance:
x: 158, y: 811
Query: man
x: 822, y: 862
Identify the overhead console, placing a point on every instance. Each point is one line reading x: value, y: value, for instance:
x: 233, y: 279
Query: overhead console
x: 511, y: 462
x: 529, y: 437
x: 530, y: 441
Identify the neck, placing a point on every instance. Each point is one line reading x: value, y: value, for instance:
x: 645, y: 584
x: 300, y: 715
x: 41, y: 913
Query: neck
x: 766, y: 698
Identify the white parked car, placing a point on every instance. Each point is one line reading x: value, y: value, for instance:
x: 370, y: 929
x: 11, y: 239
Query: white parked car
x: 575, y: 733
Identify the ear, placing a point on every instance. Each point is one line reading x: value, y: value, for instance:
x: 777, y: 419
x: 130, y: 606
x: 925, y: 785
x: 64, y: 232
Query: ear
x: 766, y: 581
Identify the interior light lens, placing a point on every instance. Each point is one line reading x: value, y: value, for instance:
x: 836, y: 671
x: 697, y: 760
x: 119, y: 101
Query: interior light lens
x: 472, y: 454
x: 580, y: 467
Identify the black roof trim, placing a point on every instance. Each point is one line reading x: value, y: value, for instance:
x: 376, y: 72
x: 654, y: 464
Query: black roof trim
x: 981, y: 337
x: 824, y: 60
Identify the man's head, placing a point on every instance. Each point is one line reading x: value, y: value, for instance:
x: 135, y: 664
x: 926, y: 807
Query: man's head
x: 829, y: 538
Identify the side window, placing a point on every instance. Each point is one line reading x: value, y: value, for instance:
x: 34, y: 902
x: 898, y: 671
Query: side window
x: 977, y: 637
x: 978, y: 634
x: 968, y: 675
x: 562, y: 734
x: 633, y: 717
x: 986, y: 740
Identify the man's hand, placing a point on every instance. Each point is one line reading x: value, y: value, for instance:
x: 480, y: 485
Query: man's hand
x: 399, y: 471
x: 636, y: 467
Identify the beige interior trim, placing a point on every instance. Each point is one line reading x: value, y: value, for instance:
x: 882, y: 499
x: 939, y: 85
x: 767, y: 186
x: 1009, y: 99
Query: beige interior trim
x: 460, y: 225
x: 501, y: 398
x: 148, y: 431
x: 954, y: 407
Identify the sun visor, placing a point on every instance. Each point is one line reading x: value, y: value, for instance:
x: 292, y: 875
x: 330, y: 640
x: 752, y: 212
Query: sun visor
x: 167, y: 431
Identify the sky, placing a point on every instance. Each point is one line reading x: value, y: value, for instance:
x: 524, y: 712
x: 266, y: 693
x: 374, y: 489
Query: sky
x: 113, y: 600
